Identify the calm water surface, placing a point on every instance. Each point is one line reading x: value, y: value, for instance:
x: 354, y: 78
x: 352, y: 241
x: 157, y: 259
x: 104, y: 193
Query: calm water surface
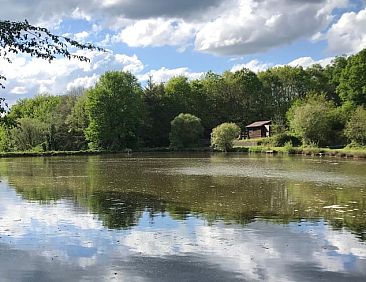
x: 182, y: 217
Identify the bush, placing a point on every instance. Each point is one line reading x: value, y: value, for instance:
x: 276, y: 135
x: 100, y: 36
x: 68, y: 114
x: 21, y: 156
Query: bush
x: 186, y: 131
x: 283, y: 138
x: 355, y: 129
x: 312, y: 120
x: 223, y: 135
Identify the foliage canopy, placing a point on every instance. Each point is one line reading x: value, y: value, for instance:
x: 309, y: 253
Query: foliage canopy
x: 311, y: 120
x: 223, y: 136
x: 114, y: 108
x: 186, y: 131
x: 355, y: 129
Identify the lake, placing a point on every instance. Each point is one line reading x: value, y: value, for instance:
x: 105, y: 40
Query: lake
x: 182, y: 217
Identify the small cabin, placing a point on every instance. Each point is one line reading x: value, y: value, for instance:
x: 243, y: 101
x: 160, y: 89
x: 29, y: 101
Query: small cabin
x: 258, y: 129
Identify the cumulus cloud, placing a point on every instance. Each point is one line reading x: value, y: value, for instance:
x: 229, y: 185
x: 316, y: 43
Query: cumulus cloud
x: 130, y: 63
x: 253, y: 65
x: 256, y: 26
x: 348, y: 35
x: 81, y: 36
x: 306, y: 62
x: 83, y: 82
x: 164, y: 74
x: 107, y: 10
x: 28, y: 76
x: 156, y: 32
x: 232, y: 27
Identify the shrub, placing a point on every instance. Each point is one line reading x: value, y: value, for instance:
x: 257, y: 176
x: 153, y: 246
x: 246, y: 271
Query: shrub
x: 223, y: 135
x: 355, y: 129
x: 186, y: 131
x: 282, y: 138
x: 312, y: 120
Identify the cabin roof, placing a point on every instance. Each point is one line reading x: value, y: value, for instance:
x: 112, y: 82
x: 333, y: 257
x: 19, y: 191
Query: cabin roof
x: 259, y: 123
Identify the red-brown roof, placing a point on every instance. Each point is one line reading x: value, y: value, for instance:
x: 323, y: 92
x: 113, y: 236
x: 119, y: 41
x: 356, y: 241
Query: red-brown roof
x: 259, y: 123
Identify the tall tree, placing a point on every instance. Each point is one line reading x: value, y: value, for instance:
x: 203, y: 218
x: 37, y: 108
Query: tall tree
x: 284, y: 85
x: 352, y: 86
x: 333, y: 73
x: 114, y: 107
x: 155, y: 129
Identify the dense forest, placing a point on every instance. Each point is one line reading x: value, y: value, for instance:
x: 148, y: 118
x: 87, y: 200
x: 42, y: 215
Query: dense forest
x: 314, y: 106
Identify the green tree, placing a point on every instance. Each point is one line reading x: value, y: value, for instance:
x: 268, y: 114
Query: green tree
x: 29, y: 134
x: 333, y: 73
x: 223, y: 135
x: 352, y: 86
x: 52, y: 111
x: 236, y: 97
x: 41, y: 107
x: 212, y: 89
x: 114, y: 108
x: 178, y: 90
x: 355, y: 129
x: 282, y: 86
x: 77, y: 122
x: 312, y: 120
x: 243, y: 99
x: 186, y: 131
x: 155, y: 129
x: 5, y: 141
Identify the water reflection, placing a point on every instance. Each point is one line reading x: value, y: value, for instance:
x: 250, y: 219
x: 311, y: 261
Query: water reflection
x: 162, y: 219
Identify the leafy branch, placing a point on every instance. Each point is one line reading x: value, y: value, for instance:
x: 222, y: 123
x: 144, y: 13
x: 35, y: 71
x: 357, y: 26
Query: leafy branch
x: 39, y: 42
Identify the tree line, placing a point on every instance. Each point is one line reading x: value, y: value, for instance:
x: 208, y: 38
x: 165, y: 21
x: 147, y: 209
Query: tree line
x: 317, y: 105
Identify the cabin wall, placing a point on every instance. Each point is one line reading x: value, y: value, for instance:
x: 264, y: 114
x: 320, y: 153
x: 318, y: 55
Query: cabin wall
x: 259, y: 132
x: 255, y: 133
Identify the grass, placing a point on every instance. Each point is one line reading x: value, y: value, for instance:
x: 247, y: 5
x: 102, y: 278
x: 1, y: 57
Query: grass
x: 310, y: 151
x: 348, y: 152
x: 37, y: 153
x: 47, y: 153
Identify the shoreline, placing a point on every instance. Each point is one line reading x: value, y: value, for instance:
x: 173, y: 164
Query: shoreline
x: 320, y: 152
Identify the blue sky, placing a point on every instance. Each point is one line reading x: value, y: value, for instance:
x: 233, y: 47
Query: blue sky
x: 181, y: 37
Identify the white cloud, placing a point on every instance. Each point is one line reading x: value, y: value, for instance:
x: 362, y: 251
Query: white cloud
x: 31, y: 75
x: 81, y: 36
x: 164, y: 74
x: 156, y: 32
x: 80, y: 14
x: 130, y: 64
x: 348, y: 35
x: 235, y: 27
x: 306, y: 62
x: 83, y: 82
x: 231, y: 27
x: 255, y: 26
x: 19, y: 90
x: 253, y: 65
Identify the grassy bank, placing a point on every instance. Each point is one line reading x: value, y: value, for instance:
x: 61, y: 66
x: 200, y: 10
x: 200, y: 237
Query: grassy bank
x: 359, y: 153
x: 98, y: 152
x: 309, y: 151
